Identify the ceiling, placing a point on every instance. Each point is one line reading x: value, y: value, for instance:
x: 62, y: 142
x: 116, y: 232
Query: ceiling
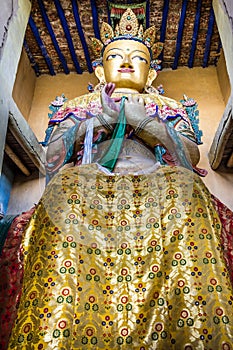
x: 58, y: 34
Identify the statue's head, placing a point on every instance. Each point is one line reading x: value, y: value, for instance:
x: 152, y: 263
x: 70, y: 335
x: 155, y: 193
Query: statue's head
x: 127, y: 57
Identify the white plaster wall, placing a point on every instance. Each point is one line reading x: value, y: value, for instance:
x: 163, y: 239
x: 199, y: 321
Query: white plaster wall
x: 25, y: 194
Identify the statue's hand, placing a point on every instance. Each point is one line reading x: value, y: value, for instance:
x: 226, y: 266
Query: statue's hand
x: 110, y: 107
x: 151, y: 130
x: 134, y: 110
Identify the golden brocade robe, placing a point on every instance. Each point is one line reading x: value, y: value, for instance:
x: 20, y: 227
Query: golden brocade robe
x: 124, y: 262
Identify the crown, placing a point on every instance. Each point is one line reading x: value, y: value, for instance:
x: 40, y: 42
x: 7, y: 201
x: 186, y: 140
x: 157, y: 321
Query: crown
x: 128, y: 28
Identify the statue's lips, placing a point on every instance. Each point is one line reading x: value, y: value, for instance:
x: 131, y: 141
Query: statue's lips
x: 126, y: 70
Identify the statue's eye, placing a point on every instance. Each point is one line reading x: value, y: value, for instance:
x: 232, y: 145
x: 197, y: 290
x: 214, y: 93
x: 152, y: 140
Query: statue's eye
x: 112, y: 56
x: 139, y: 59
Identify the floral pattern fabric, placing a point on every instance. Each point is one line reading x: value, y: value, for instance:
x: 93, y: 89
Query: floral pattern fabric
x: 226, y: 217
x: 11, y: 265
x: 126, y: 262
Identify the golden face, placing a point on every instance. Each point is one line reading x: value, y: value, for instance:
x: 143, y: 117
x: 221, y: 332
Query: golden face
x: 126, y: 64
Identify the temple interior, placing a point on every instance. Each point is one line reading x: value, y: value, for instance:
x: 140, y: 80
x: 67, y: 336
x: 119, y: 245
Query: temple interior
x: 29, y: 83
x: 116, y: 224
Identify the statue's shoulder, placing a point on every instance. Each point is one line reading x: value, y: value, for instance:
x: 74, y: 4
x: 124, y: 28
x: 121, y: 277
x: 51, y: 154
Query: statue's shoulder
x: 161, y: 100
x: 82, y: 101
x: 78, y: 107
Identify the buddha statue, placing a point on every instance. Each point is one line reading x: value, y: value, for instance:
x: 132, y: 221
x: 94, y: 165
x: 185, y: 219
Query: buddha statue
x: 126, y: 70
x: 123, y: 249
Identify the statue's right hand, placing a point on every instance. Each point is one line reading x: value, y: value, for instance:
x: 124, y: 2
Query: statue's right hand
x: 110, y: 107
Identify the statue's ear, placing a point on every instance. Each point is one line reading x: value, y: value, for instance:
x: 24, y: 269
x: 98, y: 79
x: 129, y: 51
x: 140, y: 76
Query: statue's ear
x: 99, y: 72
x: 151, y: 76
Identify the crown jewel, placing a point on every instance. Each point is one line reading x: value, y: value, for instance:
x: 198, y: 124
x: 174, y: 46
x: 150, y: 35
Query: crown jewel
x: 128, y: 28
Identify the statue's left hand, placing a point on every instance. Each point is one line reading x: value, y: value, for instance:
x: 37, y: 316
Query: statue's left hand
x: 134, y: 110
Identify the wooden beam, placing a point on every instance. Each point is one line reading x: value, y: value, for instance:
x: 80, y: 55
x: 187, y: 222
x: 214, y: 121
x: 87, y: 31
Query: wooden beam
x: 28, y: 141
x: 16, y: 160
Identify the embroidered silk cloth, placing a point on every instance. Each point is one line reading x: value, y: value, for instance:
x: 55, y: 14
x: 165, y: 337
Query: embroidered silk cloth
x: 124, y: 262
x: 11, y: 265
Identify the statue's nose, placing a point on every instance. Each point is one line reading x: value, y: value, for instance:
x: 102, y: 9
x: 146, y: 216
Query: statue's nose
x: 127, y: 62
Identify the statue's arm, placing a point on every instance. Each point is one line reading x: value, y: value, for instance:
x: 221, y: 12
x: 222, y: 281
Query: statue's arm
x: 68, y: 136
x: 154, y: 131
x: 67, y: 140
x: 105, y: 120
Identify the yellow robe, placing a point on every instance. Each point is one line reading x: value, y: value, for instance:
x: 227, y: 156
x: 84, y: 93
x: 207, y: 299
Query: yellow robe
x: 124, y: 262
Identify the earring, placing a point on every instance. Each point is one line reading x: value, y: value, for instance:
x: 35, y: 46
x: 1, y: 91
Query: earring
x: 99, y: 87
x: 151, y: 89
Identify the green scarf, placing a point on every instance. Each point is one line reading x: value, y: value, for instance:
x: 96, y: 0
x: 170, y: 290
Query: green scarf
x: 109, y: 159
